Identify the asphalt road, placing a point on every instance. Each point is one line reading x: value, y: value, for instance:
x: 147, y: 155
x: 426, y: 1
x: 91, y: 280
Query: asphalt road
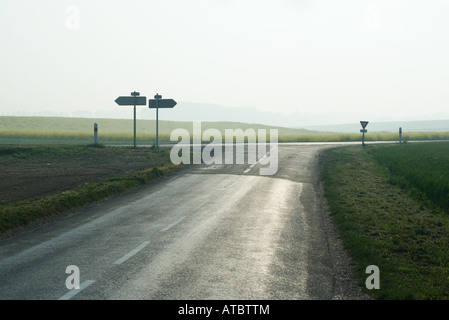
x: 204, y: 232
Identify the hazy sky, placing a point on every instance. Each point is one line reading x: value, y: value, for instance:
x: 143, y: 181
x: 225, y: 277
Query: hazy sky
x: 381, y: 59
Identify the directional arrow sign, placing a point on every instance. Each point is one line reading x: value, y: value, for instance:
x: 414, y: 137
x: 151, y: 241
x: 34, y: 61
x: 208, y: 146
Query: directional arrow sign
x: 161, y: 103
x: 131, y: 101
x: 364, y: 124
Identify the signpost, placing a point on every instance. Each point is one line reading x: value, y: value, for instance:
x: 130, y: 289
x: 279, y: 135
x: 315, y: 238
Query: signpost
x: 363, y: 130
x: 135, y: 100
x: 129, y: 101
x: 157, y: 103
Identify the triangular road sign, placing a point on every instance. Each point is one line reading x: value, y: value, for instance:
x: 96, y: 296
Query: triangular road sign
x: 364, y: 124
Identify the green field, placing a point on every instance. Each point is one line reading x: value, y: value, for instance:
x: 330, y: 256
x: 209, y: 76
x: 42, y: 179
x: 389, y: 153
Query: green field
x: 55, y: 130
x: 45, y: 130
x: 421, y: 169
x: 390, y: 203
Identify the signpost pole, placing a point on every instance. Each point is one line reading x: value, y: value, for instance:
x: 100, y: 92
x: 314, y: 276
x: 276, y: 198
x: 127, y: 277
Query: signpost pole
x: 135, y: 95
x: 157, y: 97
x: 133, y: 100
x: 157, y: 103
x: 134, y: 125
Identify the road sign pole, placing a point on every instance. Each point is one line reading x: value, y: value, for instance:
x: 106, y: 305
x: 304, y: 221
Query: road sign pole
x: 135, y: 94
x: 363, y: 136
x: 134, y: 126
x: 363, y: 130
x: 157, y: 97
x: 133, y: 100
x: 157, y: 103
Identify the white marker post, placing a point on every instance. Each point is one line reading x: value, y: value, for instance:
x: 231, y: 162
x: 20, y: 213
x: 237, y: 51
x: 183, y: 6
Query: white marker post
x: 363, y: 130
x: 95, y: 133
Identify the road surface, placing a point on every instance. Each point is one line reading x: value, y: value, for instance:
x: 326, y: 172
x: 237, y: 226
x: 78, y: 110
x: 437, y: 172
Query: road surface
x: 204, y: 232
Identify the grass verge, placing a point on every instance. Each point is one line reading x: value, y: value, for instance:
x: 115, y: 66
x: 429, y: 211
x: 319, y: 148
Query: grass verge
x: 381, y: 223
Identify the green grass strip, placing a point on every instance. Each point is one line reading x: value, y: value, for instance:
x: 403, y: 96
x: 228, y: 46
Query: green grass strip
x: 420, y: 168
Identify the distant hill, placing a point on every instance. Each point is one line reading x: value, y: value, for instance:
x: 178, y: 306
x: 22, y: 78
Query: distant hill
x: 340, y: 122
x: 407, y: 126
x: 207, y: 112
